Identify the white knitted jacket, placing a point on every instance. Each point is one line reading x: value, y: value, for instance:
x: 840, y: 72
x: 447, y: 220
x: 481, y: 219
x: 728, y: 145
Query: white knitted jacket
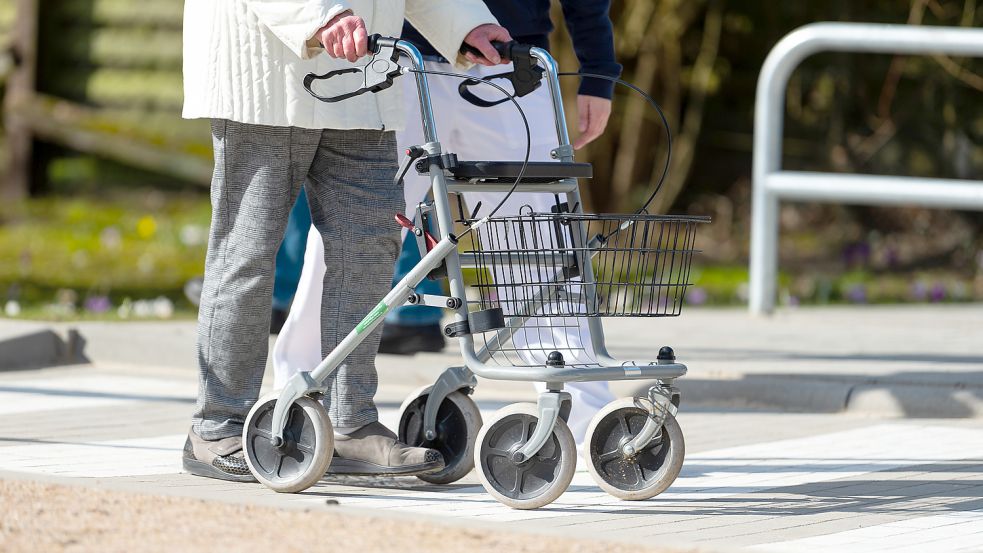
x: 245, y: 60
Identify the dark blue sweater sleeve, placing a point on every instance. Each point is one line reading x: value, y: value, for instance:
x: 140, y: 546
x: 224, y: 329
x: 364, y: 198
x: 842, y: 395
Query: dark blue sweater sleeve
x: 593, y: 41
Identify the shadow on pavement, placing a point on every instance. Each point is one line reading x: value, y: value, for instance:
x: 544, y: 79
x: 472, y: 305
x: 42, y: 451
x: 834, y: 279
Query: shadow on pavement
x: 43, y: 348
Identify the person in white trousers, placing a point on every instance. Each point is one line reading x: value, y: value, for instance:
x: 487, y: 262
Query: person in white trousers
x: 473, y: 133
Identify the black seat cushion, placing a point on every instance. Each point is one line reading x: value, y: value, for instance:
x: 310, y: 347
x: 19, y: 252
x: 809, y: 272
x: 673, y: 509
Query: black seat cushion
x: 507, y: 171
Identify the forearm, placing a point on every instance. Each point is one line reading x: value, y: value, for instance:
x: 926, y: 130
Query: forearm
x: 592, y: 33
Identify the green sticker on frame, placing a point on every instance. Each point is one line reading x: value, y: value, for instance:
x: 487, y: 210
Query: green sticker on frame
x: 373, y: 316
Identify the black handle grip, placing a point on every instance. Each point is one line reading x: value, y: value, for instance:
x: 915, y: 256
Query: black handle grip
x: 377, y: 42
x: 504, y: 49
x: 373, y: 43
x: 526, y: 75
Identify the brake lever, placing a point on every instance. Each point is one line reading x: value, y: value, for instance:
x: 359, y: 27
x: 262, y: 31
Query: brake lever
x: 378, y: 74
x: 526, y: 75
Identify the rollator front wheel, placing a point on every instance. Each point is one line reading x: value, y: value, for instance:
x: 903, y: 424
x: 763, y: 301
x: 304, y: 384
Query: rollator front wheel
x: 307, y: 450
x: 643, y: 475
x: 458, y: 421
x: 535, y: 482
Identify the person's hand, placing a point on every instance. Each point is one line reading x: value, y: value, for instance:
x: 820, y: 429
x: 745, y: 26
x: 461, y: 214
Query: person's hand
x: 593, y: 113
x: 344, y: 37
x: 481, y: 37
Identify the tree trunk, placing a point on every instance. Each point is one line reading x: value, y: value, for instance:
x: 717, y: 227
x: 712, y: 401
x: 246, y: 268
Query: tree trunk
x: 633, y: 126
x: 20, y: 90
x: 685, y: 145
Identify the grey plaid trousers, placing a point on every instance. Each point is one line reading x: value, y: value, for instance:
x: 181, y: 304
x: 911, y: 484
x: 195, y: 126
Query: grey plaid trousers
x: 258, y: 174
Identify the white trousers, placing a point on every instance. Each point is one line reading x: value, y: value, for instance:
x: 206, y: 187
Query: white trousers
x: 472, y: 133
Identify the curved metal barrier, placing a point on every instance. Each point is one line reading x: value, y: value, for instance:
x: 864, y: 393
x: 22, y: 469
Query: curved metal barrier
x: 771, y: 184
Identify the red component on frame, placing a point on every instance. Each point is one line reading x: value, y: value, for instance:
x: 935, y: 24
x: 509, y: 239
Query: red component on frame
x: 407, y: 224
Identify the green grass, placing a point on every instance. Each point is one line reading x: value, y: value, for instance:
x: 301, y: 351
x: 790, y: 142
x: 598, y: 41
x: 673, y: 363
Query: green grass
x: 138, y: 246
x: 727, y: 285
x: 58, y: 252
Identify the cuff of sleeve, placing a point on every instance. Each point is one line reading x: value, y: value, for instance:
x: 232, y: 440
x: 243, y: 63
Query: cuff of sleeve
x: 449, y: 44
x: 323, y: 12
x: 596, y: 87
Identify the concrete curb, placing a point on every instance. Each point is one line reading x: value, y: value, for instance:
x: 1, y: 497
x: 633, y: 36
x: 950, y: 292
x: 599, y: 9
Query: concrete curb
x: 917, y: 401
x: 894, y: 390
x: 813, y: 395
x: 792, y: 394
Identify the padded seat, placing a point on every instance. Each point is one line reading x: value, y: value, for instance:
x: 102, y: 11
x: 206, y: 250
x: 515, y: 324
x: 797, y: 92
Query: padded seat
x: 505, y: 172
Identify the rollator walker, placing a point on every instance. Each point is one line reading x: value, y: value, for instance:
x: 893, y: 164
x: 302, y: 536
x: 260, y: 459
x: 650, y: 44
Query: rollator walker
x: 536, y: 282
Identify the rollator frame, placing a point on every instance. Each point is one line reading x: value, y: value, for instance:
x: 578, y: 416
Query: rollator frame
x: 553, y: 404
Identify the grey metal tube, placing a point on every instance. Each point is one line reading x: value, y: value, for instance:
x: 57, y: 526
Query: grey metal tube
x: 396, y: 297
x: 423, y: 89
x: 876, y: 189
x: 303, y: 383
x: 553, y: 81
x: 579, y: 374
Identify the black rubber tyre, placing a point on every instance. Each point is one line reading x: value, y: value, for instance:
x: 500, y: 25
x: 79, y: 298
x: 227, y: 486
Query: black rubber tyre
x: 458, y: 421
x: 643, y: 475
x: 307, y: 454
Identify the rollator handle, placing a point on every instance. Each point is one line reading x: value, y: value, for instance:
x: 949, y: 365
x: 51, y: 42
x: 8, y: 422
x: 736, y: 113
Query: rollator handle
x: 375, y: 42
x: 378, y: 74
x: 504, y: 49
x: 526, y: 75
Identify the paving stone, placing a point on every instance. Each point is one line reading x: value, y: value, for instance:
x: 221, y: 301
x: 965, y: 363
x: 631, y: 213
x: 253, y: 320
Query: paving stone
x: 755, y: 480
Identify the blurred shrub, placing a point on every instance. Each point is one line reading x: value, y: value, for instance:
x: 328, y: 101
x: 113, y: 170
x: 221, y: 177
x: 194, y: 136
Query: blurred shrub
x: 130, y: 246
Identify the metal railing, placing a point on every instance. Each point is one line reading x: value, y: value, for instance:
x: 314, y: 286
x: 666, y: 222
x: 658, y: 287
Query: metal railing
x: 771, y: 184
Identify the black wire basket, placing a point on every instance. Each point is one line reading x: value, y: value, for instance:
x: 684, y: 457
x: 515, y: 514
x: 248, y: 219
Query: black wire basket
x: 533, y: 265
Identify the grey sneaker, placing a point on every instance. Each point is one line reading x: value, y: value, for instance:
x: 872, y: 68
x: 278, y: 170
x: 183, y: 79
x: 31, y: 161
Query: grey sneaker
x: 373, y: 450
x: 222, y: 459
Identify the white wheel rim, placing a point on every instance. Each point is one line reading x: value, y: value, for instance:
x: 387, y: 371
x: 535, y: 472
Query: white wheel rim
x: 310, y: 445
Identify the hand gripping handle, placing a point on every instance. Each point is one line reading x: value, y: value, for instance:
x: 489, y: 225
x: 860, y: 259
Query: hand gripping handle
x: 504, y: 49
x: 377, y: 75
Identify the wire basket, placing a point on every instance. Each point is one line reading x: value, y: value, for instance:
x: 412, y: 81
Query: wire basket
x: 532, y: 265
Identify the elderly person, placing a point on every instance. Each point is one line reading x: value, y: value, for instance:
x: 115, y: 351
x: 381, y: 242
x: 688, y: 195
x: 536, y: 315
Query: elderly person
x: 244, y: 61
x: 482, y: 133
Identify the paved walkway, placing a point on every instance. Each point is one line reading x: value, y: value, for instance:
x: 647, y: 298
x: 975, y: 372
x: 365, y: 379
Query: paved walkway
x: 755, y: 479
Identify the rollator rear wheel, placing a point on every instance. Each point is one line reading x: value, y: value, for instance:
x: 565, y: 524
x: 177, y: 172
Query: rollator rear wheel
x: 643, y: 475
x: 306, y: 453
x: 458, y: 421
x: 537, y: 481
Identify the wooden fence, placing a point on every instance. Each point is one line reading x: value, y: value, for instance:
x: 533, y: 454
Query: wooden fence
x: 102, y: 77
